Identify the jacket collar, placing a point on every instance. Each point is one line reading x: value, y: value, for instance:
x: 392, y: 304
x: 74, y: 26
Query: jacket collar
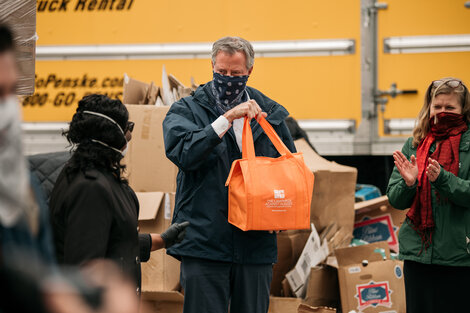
x: 465, y: 140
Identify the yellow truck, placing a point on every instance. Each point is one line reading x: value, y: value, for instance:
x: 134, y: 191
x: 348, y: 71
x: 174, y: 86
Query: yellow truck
x: 352, y: 72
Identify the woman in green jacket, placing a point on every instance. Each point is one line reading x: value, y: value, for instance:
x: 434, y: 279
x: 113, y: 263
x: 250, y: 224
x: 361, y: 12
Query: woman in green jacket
x: 432, y: 178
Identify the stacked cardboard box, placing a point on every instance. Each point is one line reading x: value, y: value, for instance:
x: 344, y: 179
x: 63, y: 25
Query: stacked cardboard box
x: 153, y: 177
x: 332, y: 215
x: 342, y: 280
x: 363, y: 279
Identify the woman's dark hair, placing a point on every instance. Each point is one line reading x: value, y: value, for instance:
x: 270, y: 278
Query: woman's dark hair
x: 84, y: 127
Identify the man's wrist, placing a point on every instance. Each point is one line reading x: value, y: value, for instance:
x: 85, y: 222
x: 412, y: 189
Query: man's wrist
x: 229, y: 117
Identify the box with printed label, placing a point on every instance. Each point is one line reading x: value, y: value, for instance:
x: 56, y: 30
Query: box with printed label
x: 161, y: 271
x: 376, y: 220
x: 370, y: 282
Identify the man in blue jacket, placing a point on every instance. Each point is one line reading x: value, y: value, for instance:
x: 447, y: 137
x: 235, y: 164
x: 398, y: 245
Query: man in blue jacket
x: 221, y: 265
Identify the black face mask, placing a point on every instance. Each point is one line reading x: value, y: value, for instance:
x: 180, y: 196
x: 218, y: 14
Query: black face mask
x: 228, y: 90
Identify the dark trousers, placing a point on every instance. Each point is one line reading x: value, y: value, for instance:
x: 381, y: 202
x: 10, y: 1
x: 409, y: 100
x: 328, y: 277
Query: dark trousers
x: 211, y: 286
x: 435, y: 288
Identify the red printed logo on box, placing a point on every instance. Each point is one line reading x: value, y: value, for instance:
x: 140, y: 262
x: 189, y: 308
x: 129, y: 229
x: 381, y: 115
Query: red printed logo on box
x: 375, y: 229
x: 373, y: 294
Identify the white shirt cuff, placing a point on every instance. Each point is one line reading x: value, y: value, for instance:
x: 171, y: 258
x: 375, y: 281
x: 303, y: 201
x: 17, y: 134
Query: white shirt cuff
x: 221, y: 125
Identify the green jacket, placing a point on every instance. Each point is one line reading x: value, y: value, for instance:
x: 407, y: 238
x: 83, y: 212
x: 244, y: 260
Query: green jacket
x: 451, y: 237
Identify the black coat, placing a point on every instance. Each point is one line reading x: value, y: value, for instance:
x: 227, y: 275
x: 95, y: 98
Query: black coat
x: 47, y: 167
x: 94, y: 216
x: 204, y: 162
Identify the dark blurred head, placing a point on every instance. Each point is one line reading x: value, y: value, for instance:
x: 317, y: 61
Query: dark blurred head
x: 8, y: 68
x: 86, y: 127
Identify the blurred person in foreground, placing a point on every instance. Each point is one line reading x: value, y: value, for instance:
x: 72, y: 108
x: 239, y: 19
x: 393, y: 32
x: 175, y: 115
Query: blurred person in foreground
x: 23, y: 210
x: 24, y: 233
x: 432, y: 178
x: 29, y: 278
x: 221, y: 265
x: 94, y: 211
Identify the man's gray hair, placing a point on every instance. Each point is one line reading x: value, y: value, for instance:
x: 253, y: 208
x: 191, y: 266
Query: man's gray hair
x: 231, y: 45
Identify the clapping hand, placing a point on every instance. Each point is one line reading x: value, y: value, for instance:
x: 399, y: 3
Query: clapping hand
x: 408, y: 169
x: 433, y: 170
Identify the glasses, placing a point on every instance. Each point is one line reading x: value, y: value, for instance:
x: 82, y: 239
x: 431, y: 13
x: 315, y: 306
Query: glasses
x: 452, y: 83
x: 129, y: 126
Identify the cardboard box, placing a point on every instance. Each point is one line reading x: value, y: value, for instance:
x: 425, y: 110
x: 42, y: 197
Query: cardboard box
x: 294, y: 305
x: 286, y: 290
x: 333, y: 192
x: 376, y: 220
x: 148, y: 168
x: 167, y: 92
x: 283, y: 305
x: 304, y: 308
x: 289, y: 247
x: 369, y: 281
x: 178, y: 88
x: 137, y: 92
x: 161, y: 272
x: 162, y: 301
x: 323, y: 287
x: 134, y: 91
x: 336, y: 238
x: 20, y: 16
x: 314, y: 252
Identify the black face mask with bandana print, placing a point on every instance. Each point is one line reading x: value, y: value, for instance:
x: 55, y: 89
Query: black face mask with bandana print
x: 228, y: 90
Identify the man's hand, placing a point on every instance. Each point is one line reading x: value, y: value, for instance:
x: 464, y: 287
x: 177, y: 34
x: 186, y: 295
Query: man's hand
x: 407, y: 169
x: 250, y: 109
x: 174, y: 234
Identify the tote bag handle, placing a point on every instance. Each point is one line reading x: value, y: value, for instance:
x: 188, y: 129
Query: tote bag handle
x: 248, y: 147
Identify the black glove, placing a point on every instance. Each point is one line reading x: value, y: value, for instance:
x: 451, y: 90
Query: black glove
x: 174, y: 234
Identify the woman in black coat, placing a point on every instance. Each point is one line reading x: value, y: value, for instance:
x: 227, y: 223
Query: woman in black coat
x: 94, y: 212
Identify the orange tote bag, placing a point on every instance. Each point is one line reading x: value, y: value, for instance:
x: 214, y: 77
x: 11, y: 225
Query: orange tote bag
x: 269, y: 193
